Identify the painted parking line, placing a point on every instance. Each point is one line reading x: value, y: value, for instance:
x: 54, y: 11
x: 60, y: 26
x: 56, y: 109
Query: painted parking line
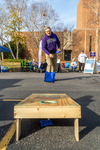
x: 12, y: 99
x: 6, y: 139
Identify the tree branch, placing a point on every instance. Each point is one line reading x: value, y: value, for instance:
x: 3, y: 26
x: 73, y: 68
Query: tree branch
x: 90, y: 7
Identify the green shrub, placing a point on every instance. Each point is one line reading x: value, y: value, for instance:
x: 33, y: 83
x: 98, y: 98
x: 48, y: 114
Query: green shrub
x: 13, y: 60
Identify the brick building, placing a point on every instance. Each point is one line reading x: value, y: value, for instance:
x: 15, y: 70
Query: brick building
x: 32, y: 47
x: 84, y: 36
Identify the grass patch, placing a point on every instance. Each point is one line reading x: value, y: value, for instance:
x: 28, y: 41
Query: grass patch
x: 15, y: 66
x: 13, y: 60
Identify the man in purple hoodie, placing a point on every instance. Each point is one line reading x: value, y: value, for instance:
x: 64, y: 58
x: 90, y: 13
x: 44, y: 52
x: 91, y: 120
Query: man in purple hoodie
x: 49, y: 45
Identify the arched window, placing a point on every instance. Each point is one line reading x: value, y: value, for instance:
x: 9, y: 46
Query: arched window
x: 90, y: 48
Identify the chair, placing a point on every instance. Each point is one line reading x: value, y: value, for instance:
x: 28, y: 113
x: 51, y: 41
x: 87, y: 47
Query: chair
x: 25, y: 66
x: 33, y: 68
x: 30, y: 65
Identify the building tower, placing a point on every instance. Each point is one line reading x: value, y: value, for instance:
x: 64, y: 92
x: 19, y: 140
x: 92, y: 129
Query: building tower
x: 88, y: 27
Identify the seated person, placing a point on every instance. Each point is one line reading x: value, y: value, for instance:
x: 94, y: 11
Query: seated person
x: 34, y: 64
x: 99, y: 61
x: 73, y: 65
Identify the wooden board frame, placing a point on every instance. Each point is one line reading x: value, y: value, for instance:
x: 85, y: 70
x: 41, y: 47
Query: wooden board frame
x: 64, y: 108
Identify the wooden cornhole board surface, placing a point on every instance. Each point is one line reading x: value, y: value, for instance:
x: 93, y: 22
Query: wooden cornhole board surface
x: 47, y: 106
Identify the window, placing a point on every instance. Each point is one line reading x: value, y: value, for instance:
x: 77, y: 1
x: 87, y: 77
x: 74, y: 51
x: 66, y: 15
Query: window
x: 67, y: 55
x: 90, y: 42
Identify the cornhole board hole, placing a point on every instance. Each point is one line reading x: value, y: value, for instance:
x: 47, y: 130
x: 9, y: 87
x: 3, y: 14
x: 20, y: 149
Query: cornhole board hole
x: 47, y: 106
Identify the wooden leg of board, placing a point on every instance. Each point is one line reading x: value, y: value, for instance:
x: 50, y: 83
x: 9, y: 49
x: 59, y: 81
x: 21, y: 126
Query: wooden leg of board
x: 18, y: 129
x: 76, y: 129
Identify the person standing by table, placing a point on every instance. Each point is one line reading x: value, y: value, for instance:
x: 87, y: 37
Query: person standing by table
x: 82, y: 58
x: 49, y: 45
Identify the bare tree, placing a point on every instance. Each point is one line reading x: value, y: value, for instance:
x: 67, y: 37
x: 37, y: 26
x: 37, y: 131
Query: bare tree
x: 11, y: 22
x: 64, y: 33
x: 95, y: 9
x: 67, y: 33
x: 15, y: 20
x: 37, y: 17
x: 1, y: 28
x: 4, y: 39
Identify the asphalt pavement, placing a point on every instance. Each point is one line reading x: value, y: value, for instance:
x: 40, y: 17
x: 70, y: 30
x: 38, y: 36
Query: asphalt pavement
x: 83, y: 88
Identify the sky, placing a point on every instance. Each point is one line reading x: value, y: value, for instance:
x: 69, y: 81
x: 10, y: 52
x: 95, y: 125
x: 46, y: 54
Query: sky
x: 66, y: 10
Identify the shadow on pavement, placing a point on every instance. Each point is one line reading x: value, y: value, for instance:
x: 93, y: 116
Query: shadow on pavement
x: 1, y: 95
x: 80, y: 78
x: 6, y: 83
x: 90, y: 120
x: 7, y: 110
x: 4, y: 129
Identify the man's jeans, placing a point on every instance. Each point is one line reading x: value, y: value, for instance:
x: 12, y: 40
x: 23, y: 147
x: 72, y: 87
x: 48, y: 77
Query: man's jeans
x: 81, y: 65
x: 72, y: 68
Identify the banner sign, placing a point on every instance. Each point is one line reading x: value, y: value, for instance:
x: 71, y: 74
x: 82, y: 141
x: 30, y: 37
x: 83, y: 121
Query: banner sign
x: 90, y: 66
x: 40, y: 53
x: 92, y: 54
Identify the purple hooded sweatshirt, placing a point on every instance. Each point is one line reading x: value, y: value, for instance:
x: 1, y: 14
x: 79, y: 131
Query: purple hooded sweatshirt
x: 49, y: 43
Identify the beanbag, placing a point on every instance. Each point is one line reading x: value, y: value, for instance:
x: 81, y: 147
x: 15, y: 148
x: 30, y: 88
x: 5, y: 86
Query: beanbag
x: 45, y: 123
x: 49, y: 77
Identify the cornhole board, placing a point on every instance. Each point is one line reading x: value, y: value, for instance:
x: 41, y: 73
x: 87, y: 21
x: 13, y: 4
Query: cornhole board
x: 47, y: 106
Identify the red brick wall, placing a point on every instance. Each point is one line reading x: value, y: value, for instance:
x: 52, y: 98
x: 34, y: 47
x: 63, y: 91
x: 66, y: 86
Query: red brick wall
x: 79, y: 42
x: 79, y: 14
x: 32, y: 47
x: 85, y: 15
x: 85, y: 21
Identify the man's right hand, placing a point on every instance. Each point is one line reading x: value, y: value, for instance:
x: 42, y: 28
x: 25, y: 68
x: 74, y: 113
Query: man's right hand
x: 51, y: 55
